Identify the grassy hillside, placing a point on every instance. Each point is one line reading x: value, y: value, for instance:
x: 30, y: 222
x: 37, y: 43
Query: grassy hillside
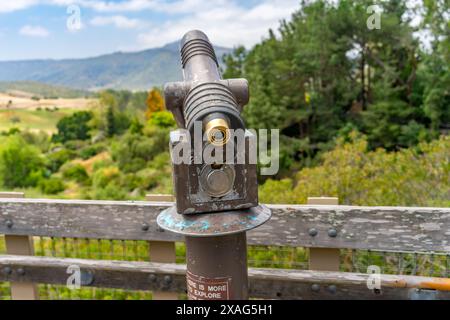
x: 41, y: 90
x: 34, y: 120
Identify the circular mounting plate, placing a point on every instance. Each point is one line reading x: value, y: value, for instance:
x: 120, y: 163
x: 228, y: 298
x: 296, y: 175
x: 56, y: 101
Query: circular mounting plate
x: 213, y: 224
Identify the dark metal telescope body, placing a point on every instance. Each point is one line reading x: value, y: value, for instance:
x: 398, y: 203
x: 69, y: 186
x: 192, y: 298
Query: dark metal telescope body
x: 213, y: 104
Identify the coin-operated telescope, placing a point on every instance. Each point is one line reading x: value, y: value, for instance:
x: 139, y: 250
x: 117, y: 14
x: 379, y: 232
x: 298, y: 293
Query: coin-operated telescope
x: 214, y: 174
x: 209, y: 109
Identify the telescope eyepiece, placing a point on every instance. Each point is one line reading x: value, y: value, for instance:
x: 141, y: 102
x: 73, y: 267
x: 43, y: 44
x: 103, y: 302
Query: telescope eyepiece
x: 217, y: 129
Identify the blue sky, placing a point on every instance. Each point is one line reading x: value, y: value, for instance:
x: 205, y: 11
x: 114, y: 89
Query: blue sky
x: 37, y: 29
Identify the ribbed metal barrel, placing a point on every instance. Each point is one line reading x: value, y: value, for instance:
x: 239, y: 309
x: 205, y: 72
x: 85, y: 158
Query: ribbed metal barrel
x: 207, y: 94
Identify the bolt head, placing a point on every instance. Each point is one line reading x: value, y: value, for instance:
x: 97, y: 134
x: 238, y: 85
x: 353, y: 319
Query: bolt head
x: 315, y: 287
x: 332, y: 233
x: 7, y: 270
x: 312, y: 232
x: 145, y: 227
x: 20, y: 271
x: 167, y: 280
x: 152, y: 277
x: 87, y: 277
x: 9, y: 224
x: 332, y: 289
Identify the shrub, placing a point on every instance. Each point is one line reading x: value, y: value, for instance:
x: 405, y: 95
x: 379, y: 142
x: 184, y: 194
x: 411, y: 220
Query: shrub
x: 51, y: 186
x: 76, y: 144
x: 92, y: 150
x: 133, y: 151
x: 110, y: 192
x: 416, y: 176
x: 136, y: 126
x: 277, y: 191
x: 105, y: 176
x: 73, y: 127
x: 102, y: 163
x: 39, y: 139
x: 11, y: 132
x: 59, y: 157
x: 19, y: 161
x: 162, y: 119
x: 76, y: 172
x: 15, y: 119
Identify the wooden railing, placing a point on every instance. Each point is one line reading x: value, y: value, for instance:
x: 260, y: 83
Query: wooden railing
x: 311, y: 226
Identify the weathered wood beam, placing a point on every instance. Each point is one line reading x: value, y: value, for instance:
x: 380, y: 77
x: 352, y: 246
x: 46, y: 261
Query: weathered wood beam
x: 264, y: 283
x: 375, y: 228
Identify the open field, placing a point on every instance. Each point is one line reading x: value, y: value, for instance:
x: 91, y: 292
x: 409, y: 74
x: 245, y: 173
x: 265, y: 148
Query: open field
x: 25, y: 101
x: 31, y: 119
x: 19, y: 110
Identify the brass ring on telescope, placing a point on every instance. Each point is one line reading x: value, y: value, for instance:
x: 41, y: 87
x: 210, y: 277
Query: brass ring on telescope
x: 217, y: 131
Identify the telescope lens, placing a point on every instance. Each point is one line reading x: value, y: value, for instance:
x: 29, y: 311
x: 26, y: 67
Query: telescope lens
x: 217, y: 131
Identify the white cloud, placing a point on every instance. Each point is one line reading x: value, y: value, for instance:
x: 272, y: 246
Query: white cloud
x: 97, y: 5
x: 34, y: 31
x: 225, y: 22
x: 10, y: 6
x: 130, y: 5
x: 120, y: 22
x: 109, y: 6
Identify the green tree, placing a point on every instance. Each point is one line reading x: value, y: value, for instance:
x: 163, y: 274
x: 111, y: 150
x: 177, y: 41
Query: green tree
x: 110, y: 122
x: 162, y: 119
x: 235, y: 63
x: 435, y: 74
x: 115, y: 120
x: 326, y: 71
x: 21, y: 165
x: 73, y: 127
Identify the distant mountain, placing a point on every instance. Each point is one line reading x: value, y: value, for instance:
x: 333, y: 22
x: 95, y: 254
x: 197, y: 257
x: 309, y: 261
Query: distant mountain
x: 121, y: 70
